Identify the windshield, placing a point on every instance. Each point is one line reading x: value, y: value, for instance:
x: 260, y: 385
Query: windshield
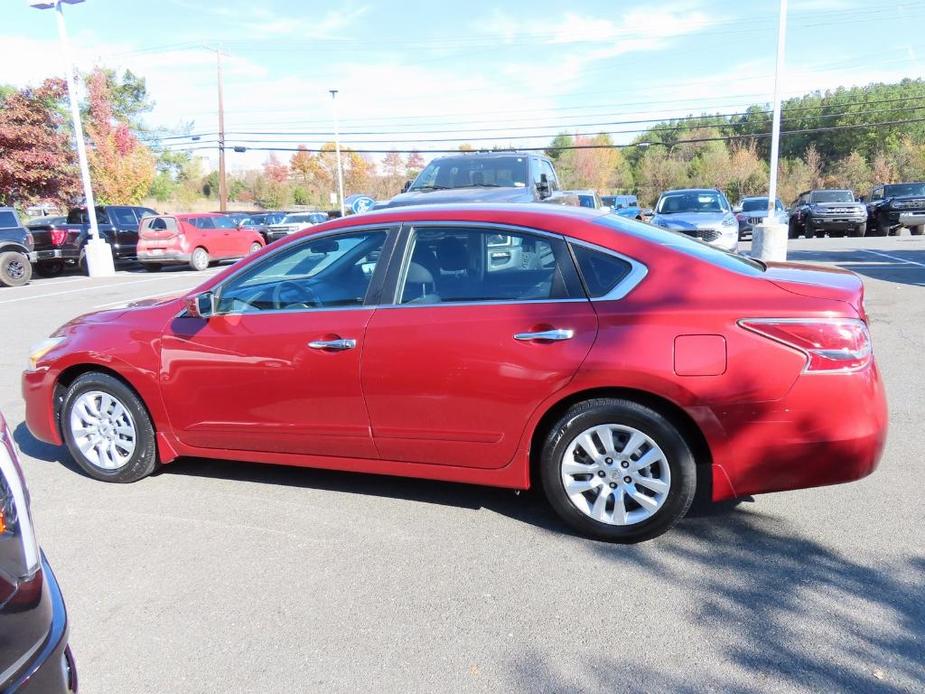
x: 759, y: 205
x: 473, y: 172
x: 683, y: 243
x: 303, y: 218
x: 833, y: 196
x: 902, y: 190
x: 687, y: 202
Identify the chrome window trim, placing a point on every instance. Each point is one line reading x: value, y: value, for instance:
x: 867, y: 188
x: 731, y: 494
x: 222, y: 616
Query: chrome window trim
x: 488, y: 226
x: 637, y: 273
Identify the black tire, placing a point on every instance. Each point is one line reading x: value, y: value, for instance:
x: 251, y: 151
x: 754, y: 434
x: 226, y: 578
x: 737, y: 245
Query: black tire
x: 857, y: 231
x: 49, y: 268
x: 152, y: 267
x: 680, y: 460
x: 917, y: 230
x: 808, y: 229
x: 199, y: 259
x: 15, y: 269
x: 143, y: 460
x: 792, y: 231
x: 883, y: 225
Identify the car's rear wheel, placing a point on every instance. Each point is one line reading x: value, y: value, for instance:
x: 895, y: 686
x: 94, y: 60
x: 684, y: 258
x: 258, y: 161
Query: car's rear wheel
x: 917, y: 230
x: 618, y: 471
x: 199, y: 260
x: 107, y: 429
x: 15, y: 269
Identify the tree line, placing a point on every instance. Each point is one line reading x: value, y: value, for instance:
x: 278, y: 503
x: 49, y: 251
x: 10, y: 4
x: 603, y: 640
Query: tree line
x: 847, y: 138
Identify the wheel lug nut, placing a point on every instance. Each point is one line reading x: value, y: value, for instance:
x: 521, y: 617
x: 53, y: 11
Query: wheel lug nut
x: 627, y: 479
x: 600, y: 474
x: 613, y: 485
x: 609, y: 461
x: 625, y: 463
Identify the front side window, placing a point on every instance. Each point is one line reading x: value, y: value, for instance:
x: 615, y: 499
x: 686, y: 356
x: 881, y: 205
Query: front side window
x: 326, y: 272
x: 452, y: 265
x: 223, y: 222
x: 546, y: 168
x: 123, y: 216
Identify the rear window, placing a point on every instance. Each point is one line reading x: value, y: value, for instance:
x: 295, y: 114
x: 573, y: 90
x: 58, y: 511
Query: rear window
x: 601, y: 271
x: 8, y: 220
x: 682, y: 243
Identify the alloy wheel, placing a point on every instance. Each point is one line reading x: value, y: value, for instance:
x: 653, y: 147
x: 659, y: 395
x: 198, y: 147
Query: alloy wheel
x: 103, y: 429
x: 615, y: 474
x: 16, y: 269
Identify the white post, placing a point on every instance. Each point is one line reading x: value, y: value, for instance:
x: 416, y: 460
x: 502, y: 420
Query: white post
x: 340, y: 166
x: 98, y: 252
x: 769, y: 241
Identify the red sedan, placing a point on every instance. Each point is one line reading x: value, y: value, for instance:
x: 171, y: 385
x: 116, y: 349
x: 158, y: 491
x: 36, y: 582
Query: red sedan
x: 613, y: 362
x: 193, y: 239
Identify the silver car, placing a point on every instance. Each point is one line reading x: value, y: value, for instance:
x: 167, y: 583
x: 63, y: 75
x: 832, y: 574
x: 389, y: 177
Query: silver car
x: 752, y: 211
x: 703, y: 213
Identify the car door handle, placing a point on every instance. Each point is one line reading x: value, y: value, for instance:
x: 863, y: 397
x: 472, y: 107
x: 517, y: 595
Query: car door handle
x: 556, y: 335
x: 338, y: 345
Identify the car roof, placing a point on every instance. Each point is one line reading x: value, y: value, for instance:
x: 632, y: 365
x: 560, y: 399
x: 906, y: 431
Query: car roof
x: 492, y: 154
x: 691, y: 190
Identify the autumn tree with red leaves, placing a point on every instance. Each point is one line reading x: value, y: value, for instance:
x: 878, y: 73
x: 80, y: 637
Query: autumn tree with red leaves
x: 37, y: 161
x: 121, y: 167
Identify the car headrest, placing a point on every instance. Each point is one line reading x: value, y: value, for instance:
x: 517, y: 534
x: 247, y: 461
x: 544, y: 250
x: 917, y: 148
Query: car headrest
x: 452, y: 254
x: 418, y: 274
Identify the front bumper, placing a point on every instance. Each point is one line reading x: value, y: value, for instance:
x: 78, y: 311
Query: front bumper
x: 801, y: 441
x: 836, y: 223
x: 38, y: 389
x: 50, y: 667
x: 908, y: 219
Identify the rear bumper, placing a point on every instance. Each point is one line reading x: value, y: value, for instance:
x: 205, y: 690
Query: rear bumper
x: 50, y: 668
x: 805, y: 439
x: 67, y: 254
x: 163, y: 258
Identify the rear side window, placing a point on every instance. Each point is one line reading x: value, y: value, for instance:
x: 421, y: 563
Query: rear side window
x: 8, y: 220
x: 600, y: 271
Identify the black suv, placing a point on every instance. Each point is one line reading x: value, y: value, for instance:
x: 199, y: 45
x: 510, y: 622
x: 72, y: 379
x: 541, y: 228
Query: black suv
x: 15, y: 250
x: 895, y: 205
x: 832, y: 212
x: 485, y: 177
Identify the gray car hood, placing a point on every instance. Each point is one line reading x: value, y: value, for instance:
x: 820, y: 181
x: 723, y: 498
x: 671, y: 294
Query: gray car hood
x: 454, y: 195
x: 691, y: 220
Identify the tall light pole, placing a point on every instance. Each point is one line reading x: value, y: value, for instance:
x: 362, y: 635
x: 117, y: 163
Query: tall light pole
x: 770, y: 238
x: 98, y: 252
x: 340, y: 165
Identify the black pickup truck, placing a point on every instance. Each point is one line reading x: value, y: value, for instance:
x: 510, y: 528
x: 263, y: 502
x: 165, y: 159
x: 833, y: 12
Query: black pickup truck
x: 58, y: 246
x: 15, y: 250
x: 485, y: 177
x: 895, y: 205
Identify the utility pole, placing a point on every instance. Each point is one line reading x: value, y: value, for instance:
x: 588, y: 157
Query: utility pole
x: 222, y: 184
x: 340, y: 165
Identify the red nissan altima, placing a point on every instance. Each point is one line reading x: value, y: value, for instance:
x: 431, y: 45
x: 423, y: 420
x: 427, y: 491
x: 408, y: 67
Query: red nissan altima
x: 610, y: 361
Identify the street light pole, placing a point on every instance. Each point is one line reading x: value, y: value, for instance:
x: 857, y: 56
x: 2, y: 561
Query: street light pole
x: 222, y: 184
x: 769, y: 239
x: 340, y: 165
x: 98, y: 252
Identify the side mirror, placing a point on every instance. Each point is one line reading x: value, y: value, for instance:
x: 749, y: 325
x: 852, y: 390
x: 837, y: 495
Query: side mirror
x: 737, y: 208
x: 201, y: 305
x: 404, y: 188
x: 543, y: 187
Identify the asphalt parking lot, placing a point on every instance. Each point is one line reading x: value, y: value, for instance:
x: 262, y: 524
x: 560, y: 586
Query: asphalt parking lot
x: 217, y: 577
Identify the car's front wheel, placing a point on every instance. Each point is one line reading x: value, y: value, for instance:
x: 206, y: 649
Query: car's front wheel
x: 254, y: 248
x: 917, y: 230
x: 618, y: 471
x: 107, y: 429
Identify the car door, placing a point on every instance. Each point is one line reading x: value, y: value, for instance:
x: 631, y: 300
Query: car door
x: 227, y: 238
x: 467, y: 346
x: 277, y: 368
x: 125, y: 223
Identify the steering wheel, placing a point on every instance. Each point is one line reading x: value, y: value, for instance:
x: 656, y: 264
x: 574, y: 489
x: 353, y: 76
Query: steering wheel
x: 289, y: 294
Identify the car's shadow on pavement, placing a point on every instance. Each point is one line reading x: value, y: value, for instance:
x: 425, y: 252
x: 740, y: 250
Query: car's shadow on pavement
x: 901, y: 266
x: 40, y: 450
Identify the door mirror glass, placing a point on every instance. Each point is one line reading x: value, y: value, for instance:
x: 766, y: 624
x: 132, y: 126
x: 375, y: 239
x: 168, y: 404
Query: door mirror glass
x: 404, y: 188
x: 201, y: 305
x: 543, y: 186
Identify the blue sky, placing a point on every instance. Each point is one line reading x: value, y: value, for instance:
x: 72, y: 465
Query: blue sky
x: 524, y: 69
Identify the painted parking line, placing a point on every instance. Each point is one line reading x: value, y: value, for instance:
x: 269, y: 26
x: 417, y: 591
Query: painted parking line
x: 895, y: 257
x: 95, y: 286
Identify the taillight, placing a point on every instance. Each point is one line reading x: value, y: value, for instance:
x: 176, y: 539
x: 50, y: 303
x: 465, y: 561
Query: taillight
x: 58, y: 237
x: 19, y: 552
x: 830, y: 344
